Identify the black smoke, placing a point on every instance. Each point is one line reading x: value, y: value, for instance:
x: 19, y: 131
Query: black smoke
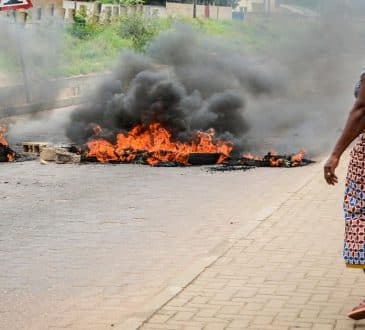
x: 184, y: 81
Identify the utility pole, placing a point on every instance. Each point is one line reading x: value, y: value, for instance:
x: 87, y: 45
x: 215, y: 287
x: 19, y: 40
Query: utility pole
x: 75, y: 8
x: 19, y: 44
x: 267, y: 5
x: 321, y: 8
x: 194, y: 9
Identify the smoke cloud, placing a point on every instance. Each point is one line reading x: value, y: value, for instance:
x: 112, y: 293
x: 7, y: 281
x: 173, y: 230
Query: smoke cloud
x: 321, y: 67
x: 293, y: 94
x: 184, y: 81
x: 291, y: 97
x: 41, y: 47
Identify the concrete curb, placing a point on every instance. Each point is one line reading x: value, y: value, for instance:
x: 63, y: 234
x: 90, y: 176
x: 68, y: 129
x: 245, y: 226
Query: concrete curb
x: 65, y: 92
x: 37, y: 107
x: 178, y: 284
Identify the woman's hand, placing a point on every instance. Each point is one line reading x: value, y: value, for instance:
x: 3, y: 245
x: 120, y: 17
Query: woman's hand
x: 329, y: 170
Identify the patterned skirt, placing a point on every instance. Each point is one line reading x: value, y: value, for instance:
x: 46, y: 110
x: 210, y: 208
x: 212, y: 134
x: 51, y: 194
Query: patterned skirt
x: 354, y: 208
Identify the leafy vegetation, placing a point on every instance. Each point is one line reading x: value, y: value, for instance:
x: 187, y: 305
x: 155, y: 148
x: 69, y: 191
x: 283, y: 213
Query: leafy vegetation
x: 138, y: 29
x: 93, y: 47
x: 96, y: 48
x: 82, y: 29
x: 98, y: 52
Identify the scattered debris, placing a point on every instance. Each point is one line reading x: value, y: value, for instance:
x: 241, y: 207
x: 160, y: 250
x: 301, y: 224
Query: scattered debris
x: 196, y: 158
x: 157, y: 149
x: 61, y: 154
x: 6, y: 153
x: 66, y: 157
x: 34, y: 147
x: 43, y: 162
x: 157, y: 143
x: 48, y: 154
x: 272, y: 159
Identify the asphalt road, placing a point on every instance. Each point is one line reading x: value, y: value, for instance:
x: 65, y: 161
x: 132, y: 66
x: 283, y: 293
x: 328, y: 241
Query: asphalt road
x: 86, y: 246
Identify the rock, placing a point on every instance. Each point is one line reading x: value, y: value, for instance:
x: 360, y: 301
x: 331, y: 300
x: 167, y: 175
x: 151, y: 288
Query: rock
x: 65, y: 157
x: 48, y: 154
x: 34, y: 147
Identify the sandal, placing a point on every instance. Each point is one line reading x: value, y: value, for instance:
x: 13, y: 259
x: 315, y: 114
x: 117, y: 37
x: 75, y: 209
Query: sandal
x: 358, y: 312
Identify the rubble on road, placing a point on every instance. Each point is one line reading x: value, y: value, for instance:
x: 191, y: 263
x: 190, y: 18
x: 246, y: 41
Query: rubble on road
x: 34, y: 148
x: 64, y: 154
x: 65, y: 157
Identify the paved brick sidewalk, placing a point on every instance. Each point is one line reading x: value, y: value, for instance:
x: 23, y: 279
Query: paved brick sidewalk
x: 286, y: 274
x: 91, y: 246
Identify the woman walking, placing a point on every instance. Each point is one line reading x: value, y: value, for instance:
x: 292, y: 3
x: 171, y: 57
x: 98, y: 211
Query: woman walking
x: 354, y: 201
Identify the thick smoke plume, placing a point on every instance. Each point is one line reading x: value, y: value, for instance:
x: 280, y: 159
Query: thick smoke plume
x: 294, y: 93
x: 185, y: 82
x: 321, y: 66
x: 291, y: 97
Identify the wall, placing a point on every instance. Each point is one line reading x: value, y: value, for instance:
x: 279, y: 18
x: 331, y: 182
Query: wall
x: 105, y: 12
x: 65, y: 92
x: 43, y: 8
x: 44, y: 3
x: 69, y: 7
x: 155, y: 11
x: 40, y: 9
x: 186, y: 10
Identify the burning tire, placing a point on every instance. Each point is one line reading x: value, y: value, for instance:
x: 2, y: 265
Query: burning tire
x: 203, y: 158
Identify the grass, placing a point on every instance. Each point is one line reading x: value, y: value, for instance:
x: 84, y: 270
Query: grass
x: 94, y: 54
x: 99, y: 52
x: 98, y: 48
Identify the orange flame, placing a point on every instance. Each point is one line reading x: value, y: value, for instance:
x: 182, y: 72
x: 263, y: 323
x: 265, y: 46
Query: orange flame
x: 279, y: 161
x: 10, y: 155
x: 296, y: 159
x: 276, y: 162
x: 157, y: 142
x: 2, y: 139
x: 250, y: 156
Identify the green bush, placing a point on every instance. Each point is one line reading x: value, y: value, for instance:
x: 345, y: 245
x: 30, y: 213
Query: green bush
x: 86, y: 31
x: 81, y: 28
x: 138, y: 29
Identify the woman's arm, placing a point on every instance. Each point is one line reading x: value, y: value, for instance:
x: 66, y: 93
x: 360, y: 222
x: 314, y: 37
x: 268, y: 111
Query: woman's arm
x: 355, y: 125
